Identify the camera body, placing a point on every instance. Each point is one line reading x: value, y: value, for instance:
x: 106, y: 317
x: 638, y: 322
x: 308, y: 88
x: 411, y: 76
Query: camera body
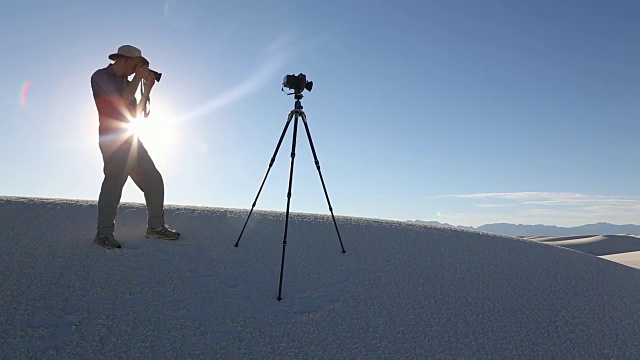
x: 297, y: 83
x: 156, y: 74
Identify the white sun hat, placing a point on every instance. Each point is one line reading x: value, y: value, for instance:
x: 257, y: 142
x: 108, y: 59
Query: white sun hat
x: 128, y: 51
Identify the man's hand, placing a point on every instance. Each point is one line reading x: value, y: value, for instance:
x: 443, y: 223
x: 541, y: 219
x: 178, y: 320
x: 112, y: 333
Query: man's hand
x: 149, y: 81
x: 142, y: 71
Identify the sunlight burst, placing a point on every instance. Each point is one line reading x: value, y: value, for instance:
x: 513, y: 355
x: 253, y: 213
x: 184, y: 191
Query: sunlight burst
x: 157, y: 132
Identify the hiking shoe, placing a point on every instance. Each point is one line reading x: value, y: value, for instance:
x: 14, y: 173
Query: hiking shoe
x: 107, y: 241
x: 163, y: 233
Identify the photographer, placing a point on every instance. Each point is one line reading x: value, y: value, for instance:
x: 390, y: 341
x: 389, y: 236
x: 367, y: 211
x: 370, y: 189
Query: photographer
x: 123, y: 154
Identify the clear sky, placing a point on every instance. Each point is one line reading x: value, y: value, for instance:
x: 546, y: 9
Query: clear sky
x: 465, y: 112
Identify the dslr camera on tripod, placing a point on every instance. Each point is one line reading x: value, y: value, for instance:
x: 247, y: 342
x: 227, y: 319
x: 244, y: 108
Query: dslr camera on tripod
x: 297, y: 83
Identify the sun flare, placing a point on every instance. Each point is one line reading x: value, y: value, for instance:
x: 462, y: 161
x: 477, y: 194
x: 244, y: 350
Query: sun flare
x: 157, y: 132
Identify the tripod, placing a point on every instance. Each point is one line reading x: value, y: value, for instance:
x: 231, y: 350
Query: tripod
x: 294, y: 114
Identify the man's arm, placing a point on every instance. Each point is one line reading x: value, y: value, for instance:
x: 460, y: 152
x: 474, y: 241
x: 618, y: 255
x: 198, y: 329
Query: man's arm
x: 106, y: 96
x: 129, y: 92
x: 146, y: 91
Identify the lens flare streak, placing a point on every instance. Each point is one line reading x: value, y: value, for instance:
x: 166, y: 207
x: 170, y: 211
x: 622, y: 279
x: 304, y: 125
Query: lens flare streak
x: 25, y: 91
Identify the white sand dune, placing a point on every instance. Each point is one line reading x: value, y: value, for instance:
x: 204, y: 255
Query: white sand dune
x: 631, y: 259
x: 401, y: 291
x: 624, y: 248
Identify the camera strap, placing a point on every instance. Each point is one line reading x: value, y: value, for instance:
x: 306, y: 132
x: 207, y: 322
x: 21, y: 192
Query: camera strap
x: 147, y: 103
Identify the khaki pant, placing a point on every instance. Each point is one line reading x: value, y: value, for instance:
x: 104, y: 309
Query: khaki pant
x: 124, y: 159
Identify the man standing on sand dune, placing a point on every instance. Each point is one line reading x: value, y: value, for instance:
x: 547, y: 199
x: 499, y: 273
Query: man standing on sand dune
x: 123, y: 153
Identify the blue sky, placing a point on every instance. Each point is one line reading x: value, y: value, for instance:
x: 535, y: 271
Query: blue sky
x: 465, y: 112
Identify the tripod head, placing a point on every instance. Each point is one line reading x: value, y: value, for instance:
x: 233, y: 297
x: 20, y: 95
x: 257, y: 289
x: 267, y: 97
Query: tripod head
x: 297, y: 94
x: 298, y: 97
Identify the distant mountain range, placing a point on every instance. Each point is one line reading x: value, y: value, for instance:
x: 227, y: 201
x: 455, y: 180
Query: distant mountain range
x: 601, y: 228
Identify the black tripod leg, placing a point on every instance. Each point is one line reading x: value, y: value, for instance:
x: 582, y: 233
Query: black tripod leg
x: 326, y: 194
x: 286, y: 218
x: 273, y: 159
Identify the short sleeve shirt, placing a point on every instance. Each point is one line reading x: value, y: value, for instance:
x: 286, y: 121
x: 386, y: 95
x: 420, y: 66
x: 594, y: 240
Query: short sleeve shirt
x: 108, y: 89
